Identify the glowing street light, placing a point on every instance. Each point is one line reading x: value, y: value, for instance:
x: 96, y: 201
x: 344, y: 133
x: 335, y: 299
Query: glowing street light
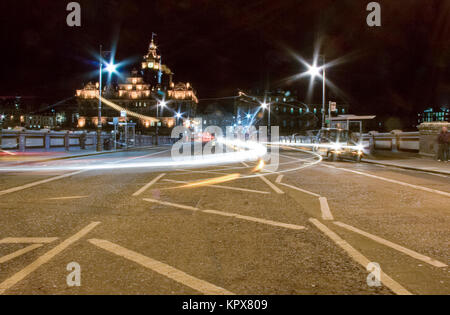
x: 265, y: 105
x: 163, y: 104
x: 111, y: 68
x: 178, y: 116
x: 313, y: 71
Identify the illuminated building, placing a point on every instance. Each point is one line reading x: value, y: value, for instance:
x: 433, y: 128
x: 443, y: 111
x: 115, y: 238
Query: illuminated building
x: 140, y: 93
x: 434, y: 114
x: 156, y: 74
x: 287, y: 111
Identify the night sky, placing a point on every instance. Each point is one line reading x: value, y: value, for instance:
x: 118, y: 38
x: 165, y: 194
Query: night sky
x: 397, y: 69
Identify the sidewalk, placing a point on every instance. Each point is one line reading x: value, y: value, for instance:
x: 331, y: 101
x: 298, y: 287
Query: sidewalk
x: 411, y: 161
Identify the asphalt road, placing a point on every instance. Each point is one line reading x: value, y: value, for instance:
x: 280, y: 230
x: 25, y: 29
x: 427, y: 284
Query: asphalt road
x: 223, y: 229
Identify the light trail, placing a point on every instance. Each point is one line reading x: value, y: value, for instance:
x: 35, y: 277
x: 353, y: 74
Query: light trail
x: 249, y: 151
x: 260, y: 166
x: 129, y: 112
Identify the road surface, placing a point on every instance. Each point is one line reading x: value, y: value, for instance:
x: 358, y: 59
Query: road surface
x: 223, y: 229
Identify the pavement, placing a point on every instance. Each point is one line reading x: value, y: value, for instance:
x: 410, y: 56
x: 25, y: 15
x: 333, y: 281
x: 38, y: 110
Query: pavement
x: 412, y: 161
x: 309, y: 227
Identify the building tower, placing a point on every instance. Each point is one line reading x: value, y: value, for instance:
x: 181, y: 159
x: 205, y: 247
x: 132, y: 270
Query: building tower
x: 158, y: 75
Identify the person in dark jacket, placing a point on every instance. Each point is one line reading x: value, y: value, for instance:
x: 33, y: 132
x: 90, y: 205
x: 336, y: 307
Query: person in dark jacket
x: 83, y: 141
x: 443, y: 142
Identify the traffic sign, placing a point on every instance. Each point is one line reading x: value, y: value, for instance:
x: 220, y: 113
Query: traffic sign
x: 333, y: 106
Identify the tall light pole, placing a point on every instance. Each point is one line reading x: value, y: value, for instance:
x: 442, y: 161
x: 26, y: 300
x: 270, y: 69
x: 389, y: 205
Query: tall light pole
x: 1, y: 130
x: 162, y: 104
x: 323, y: 91
x: 314, y: 70
x: 265, y: 105
x: 99, y: 122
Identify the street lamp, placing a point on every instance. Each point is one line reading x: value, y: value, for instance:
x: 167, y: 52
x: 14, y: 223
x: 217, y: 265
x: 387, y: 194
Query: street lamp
x: 163, y: 104
x: 313, y: 71
x: 178, y: 116
x: 265, y: 105
x: 1, y: 130
x: 110, y: 68
x: 99, y: 118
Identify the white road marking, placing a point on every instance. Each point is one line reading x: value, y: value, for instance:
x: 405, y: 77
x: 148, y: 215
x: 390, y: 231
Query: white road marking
x: 220, y: 186
x: 326, y: 213
x: 279, y: 179
x: 48, y: 180
x: 28, y: 240
x: 268, y: 182
x: 360, y: 258
x: 11, y: 281
x: 67, y: 198
x: 299, y: 189
x: 140, y: 191
x: 18, y: 253
x: 444, y: 193
x: 229, y: 214
x: 162, y: 268
x: 271, y: 185
x: 400, y: 248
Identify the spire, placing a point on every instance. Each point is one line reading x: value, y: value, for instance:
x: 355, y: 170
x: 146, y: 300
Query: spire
x: 152, y: 43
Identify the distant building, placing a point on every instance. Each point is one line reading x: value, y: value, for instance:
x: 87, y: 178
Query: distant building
x: 38, y: 121
x: 432, y: 114
x: 13, y: 109
x: 287, y: 111
x: 140, y: 93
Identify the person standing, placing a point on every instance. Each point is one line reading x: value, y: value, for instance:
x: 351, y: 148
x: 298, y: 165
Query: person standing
x: 443, y: 142
x: 83, y: 141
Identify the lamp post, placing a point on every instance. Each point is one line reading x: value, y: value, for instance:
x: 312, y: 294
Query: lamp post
x: 323, y: 91
x: 314, y: 71
x: 162, y: 104
x: 1, y: 130
x: 265, y: 105
x: 99, y: 122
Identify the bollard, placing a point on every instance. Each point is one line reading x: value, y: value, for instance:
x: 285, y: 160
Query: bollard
x: 67, y: 141
x: 22, y: 142
x: 47, y: 141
